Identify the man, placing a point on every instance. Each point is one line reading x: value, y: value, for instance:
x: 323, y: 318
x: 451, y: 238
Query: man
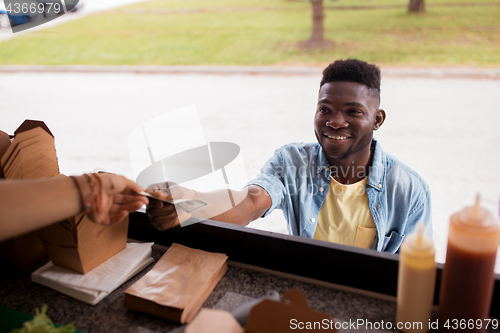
x: 344, y: 188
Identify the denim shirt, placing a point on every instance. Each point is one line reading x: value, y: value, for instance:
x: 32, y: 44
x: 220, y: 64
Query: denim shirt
x: 297, y: 180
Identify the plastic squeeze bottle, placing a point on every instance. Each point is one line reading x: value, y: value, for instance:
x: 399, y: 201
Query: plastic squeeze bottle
x: 416, y: 281
x: 468, y: 276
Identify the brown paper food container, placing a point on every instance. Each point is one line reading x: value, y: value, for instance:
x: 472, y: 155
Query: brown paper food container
x: 77, y: 243
x: 32, y: 154
x: 4, y: 144
x: 178, y: 284
x: 29, y: 124
x: 20, y: 253
x: 81, y: 245
x: 275, y: 317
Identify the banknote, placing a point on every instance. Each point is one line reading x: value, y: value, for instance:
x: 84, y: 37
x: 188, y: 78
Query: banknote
x: 188, y: 205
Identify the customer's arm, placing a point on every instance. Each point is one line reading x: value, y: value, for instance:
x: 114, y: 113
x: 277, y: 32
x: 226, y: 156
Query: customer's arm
x: 27, y: 205
x: 236, y: 207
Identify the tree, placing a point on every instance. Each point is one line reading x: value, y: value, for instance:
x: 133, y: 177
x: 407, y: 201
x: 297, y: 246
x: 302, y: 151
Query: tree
x: 416, y: 6
x: 317, y: 39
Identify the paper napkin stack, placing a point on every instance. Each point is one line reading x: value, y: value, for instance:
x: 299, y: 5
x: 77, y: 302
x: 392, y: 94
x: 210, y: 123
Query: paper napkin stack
x: 92, y: 287
x: 178, y: 284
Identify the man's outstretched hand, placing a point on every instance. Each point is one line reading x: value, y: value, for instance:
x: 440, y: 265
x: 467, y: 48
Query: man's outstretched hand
x: 163, y: 215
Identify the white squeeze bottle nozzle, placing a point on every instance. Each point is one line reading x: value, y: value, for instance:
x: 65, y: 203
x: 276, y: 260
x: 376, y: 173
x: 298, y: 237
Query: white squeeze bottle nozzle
x: 416, y: 281
x: 420, y: 234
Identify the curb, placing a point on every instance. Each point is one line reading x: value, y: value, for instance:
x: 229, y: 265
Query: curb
x: 479, y: 73
x: 239, y: 70
x: 465, y: 73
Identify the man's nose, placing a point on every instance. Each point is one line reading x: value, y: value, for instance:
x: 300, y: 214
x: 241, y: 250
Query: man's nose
x: 337, y: 121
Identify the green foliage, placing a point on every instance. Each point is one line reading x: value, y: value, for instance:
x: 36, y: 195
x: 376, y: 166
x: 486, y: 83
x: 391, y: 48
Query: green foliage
x: 267, y: 32
x: 42, y: 324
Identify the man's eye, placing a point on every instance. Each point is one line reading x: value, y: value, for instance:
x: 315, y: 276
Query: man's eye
x: 322, y: 110
x: 354, y: 111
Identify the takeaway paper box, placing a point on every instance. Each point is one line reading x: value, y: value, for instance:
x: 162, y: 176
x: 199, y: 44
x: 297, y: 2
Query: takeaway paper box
x: 4, y: 145
x: 20, y: 253
x: 78, y: 243
x: 81, y: 245
x: 31, y: 154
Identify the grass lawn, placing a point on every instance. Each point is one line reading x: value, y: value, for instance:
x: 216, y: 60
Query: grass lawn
x: 266, y: 32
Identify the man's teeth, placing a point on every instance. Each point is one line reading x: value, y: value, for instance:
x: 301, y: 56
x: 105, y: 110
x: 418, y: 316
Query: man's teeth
x: 337, y: 137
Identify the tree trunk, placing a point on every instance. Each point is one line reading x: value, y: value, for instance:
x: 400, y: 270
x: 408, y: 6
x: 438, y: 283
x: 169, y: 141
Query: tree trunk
x: 416, y: 6
x: 317, y: 25
x: 317, y: 39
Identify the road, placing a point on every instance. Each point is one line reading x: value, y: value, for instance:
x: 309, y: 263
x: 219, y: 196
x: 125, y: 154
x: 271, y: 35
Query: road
x: 445, y: 129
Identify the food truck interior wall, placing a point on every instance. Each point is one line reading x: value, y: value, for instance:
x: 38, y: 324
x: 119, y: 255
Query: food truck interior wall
x: 291, y: 254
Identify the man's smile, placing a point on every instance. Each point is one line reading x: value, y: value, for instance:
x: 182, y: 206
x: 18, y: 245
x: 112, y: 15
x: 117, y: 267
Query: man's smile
x: 336, y: 137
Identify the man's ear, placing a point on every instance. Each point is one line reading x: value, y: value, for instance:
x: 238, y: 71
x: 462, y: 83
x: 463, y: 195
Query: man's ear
x: 379, y: 119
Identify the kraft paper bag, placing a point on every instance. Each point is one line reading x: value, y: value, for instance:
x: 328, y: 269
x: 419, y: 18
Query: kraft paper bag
x: 178, y: 284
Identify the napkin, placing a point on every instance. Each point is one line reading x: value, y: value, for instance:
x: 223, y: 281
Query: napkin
x: 92, y: 287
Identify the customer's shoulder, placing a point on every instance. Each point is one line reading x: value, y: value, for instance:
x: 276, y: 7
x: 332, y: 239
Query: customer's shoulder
x: 401, y: 173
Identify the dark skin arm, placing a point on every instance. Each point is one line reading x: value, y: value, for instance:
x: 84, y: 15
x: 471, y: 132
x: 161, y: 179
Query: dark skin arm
x: 250, y: 204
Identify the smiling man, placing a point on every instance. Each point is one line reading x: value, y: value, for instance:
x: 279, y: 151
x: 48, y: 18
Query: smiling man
x: 343, y: 189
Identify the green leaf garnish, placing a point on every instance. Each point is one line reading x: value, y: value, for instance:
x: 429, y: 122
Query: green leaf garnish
x: 42, y: 324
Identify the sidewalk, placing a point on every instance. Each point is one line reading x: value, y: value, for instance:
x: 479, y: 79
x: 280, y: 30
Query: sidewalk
x: 465, y: 73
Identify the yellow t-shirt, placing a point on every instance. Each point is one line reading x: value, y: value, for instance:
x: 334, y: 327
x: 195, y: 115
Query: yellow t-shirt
x: 345, y: 217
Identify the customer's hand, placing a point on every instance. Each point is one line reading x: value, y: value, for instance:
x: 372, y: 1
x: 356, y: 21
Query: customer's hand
x: 163, y: 215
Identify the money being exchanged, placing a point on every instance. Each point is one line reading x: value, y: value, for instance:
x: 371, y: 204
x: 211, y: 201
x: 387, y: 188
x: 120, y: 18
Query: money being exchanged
x: 187, y: 205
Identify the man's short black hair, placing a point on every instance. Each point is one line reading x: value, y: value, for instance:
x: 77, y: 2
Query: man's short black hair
x: 354, y: 70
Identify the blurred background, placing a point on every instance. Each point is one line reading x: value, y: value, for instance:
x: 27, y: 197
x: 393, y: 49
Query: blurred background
x: 253, y: 68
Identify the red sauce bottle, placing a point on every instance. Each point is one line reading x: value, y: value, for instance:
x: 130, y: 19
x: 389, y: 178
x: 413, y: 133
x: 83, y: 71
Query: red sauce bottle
x: 468, y: 276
